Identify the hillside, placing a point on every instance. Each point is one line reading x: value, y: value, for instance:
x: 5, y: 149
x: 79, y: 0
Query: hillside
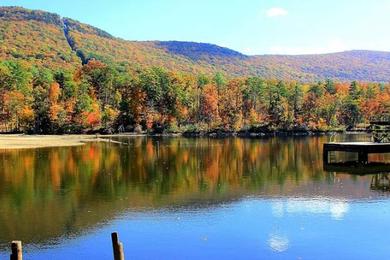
x: 348, y: 65
x: 34, y: 36
x: 46, y: 39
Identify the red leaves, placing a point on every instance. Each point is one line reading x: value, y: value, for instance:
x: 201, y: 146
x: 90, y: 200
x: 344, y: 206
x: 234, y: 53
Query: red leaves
x: 93, y: 118
x: 209, y: 104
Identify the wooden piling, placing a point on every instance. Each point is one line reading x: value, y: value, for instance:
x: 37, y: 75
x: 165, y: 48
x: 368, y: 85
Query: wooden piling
x: 363, y: 157
x: 16, y: 250
x: 325, y: 155
x: 117, y: 247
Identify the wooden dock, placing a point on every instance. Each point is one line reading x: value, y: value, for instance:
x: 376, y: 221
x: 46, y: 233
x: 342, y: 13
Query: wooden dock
x: 361, y: 148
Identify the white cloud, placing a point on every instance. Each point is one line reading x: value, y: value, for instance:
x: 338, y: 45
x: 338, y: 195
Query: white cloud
x: 276, y: 11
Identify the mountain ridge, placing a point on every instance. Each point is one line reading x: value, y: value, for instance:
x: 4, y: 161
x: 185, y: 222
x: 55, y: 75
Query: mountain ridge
x: 87, y: 42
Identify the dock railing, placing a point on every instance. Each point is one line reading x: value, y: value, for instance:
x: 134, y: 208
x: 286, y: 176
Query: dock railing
x: 381, y: 144
x: 380, y: 131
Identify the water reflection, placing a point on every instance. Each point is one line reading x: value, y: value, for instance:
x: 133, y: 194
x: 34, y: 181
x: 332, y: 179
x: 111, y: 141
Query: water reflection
x: 61, y: 192
x: 336, y: 208
x: 380, y: 182
x: 278, y: 243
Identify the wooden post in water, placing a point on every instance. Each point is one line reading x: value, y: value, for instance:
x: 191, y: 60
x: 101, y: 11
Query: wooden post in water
x: 16, y: 249
x: 325, y: 155
x: 363, y: 157
x: 117, y: 247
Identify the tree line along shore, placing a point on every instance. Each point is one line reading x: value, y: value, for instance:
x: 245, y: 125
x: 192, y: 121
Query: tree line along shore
x: 114, y: 98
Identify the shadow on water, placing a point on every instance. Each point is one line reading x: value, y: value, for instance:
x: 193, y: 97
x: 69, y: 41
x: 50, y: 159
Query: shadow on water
x: 62, y: 192
x: 379, y: 172
x: 358, y: 168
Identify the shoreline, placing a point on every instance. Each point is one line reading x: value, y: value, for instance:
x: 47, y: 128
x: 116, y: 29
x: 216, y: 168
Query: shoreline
x: 23, y: 141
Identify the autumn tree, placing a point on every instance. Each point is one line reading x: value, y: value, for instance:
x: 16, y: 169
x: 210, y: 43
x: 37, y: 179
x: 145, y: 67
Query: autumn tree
x: 57, y: 113
x: 209, y: 105
x: 18, y: 110
x: 277, y: 108
x: 254, y: 100
x: 42, y: 81
x: 330, y: 87
x: 352, y: 113
x: 116, y: 97
x: 296, y: 102
x: 230, y: 110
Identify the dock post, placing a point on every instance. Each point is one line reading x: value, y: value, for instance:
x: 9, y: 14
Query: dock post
x: 16, y: 249
x: 117, y: 247
x: 325, y: 154
x: 363, y: 157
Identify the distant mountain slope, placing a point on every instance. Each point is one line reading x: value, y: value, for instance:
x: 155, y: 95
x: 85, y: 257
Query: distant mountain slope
x: 46, y: 39
x: 198, y: 51
x: 348, y: 65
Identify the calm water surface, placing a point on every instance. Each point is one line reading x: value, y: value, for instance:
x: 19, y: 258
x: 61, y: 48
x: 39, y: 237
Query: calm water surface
x: 178, y: 198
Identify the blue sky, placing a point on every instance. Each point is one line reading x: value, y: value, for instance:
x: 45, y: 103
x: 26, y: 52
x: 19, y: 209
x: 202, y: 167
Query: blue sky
x: 249, y: 26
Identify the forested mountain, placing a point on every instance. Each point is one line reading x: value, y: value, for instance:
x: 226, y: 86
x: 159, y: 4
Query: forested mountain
x: 34, y: 36
x: 61, y: 76
x: 46, y: 39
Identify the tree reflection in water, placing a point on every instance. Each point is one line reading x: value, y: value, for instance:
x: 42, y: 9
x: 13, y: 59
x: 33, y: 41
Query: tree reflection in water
x: 63, y: 191
x: 380, y: 182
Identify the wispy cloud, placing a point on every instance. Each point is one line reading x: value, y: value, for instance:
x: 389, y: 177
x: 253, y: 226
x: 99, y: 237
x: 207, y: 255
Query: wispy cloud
x: 276, y: 11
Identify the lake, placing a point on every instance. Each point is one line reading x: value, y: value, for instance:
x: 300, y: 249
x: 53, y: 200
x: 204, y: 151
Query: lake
x: 193, y: 198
